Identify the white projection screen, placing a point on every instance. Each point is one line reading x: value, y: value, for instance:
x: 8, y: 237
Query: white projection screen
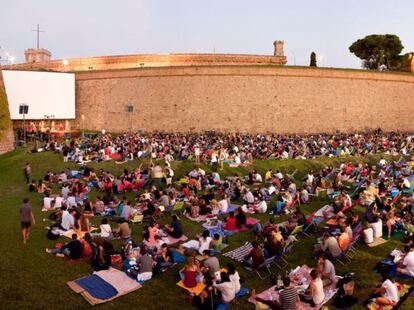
x: 48, y: 94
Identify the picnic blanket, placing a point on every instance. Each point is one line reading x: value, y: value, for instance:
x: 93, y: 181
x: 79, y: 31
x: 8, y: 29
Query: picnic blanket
x: 195, y: 290
x: 103, y: 286
x: 297, y: 275
x: 240, y: 253
x: 170, y: 240
x: 200, y: 218
x: 404, y: 290
x: 250, y: 221
x: 377, y: 242
x: 231, y: 208
x: 69, y: 233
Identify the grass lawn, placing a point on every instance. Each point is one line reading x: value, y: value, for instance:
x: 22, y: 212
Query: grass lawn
x: 29, y: 278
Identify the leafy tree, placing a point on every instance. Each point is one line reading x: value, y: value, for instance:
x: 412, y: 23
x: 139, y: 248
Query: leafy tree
x: 378, y: 50
x: 313, y: 59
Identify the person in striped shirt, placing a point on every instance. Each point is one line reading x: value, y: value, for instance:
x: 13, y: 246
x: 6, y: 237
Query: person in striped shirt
x: 288, y: 297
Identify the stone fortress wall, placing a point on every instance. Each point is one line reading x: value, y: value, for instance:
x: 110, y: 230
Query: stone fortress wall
x: 252, y: 99
x: 6, y: 129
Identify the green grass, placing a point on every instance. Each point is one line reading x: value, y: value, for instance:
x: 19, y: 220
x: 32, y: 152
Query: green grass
x: 32, y: 279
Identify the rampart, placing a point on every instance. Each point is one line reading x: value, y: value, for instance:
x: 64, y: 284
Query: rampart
x: 244, y: 99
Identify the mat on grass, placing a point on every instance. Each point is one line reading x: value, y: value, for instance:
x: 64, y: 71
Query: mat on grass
x: 194, y: 290
x: 170, y: 240
x: 103, y: 286
x: 250, y: 222
x: 377, y: 242
x: 240, y: 253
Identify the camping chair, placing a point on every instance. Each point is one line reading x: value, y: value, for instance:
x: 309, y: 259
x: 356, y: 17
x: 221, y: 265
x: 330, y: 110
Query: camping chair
x: 352, y: 251
x: 343, y: 259
x: 296, y: 231
x: 266, y: 265
x: 137, y: 219
x: 280, y: 262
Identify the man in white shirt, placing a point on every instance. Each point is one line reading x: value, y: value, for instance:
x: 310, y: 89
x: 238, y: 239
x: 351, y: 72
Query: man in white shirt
x: 58, y: 202
x: 71, y: 201
x: 408, y: 263
x: 389, y: 292
x: 47, y: 203
x: 68, y: 219
x: 261, y: 207
x: 248, y: 196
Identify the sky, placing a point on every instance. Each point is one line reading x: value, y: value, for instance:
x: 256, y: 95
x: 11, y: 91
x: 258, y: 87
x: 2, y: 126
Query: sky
x: 85, y: 28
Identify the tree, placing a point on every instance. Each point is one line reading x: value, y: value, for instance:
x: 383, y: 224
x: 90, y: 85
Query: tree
x: 378, y: 50
x: 313, y: 59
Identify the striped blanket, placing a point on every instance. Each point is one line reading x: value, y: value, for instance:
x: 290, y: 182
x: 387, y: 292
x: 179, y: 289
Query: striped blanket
x: 240, y: 253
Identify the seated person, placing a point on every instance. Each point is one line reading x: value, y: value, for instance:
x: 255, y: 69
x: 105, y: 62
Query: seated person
x: 226, y: 288
x: 255, y: 258
x: 145, y: 264
x: 164, y: 257
x: 204, y: 241
x: 175, y: 228
x: 343, y: 239
x: 407, y: 267
x: 279, y: 205
x: 241, y: 218
x: 261, y: 207
x: 190, y: 274
x: 106, y: 230
x: 88, y: 247
x: 315, y: 294
x: 223, y: 204
x: 68, y: 219
x: 211, y: 264
x: 123, y: 231
x: 288, y: 297
x: 326, y: 270
x: 102, y: 257
x: 331, y: 246
x: 388, y: 292
x: 216, y: 243
x: 72, y: 249
x: 231, y: 222
x: 272, y: 246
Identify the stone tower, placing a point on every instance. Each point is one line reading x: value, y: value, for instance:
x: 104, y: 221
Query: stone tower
x: 278, y: 44
x: 37, y: 55
x: 6, y: 127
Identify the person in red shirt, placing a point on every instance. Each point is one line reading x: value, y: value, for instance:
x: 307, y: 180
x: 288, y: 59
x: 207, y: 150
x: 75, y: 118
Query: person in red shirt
x: 231, y: 222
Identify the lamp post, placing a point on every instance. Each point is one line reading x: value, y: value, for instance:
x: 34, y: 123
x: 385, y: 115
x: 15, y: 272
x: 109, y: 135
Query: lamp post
x: 23, y: 110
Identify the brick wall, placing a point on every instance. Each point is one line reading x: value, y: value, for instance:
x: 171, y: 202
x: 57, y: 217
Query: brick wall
x: 245, y: 99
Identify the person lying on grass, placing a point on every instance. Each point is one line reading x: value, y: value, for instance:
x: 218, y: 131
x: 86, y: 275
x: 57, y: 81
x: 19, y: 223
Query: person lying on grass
x: 72, y: 249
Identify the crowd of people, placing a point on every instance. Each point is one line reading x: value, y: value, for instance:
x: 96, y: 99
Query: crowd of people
x: 236, y: 149
x: 385, y: 192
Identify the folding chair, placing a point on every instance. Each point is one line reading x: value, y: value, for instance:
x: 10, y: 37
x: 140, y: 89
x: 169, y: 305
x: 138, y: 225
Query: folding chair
x: 280, y: 262
x: 297, y: 230
x: 266, y: 265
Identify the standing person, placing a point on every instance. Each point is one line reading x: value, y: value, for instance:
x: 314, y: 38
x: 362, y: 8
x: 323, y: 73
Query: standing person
x: 27, y: 172
x: 26, y: 219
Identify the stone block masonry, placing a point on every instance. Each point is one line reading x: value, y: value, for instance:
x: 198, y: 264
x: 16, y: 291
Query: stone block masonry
x: 244, y: 99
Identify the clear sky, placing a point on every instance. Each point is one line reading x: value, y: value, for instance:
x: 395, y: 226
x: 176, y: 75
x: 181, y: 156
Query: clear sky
x: 80, y: 28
